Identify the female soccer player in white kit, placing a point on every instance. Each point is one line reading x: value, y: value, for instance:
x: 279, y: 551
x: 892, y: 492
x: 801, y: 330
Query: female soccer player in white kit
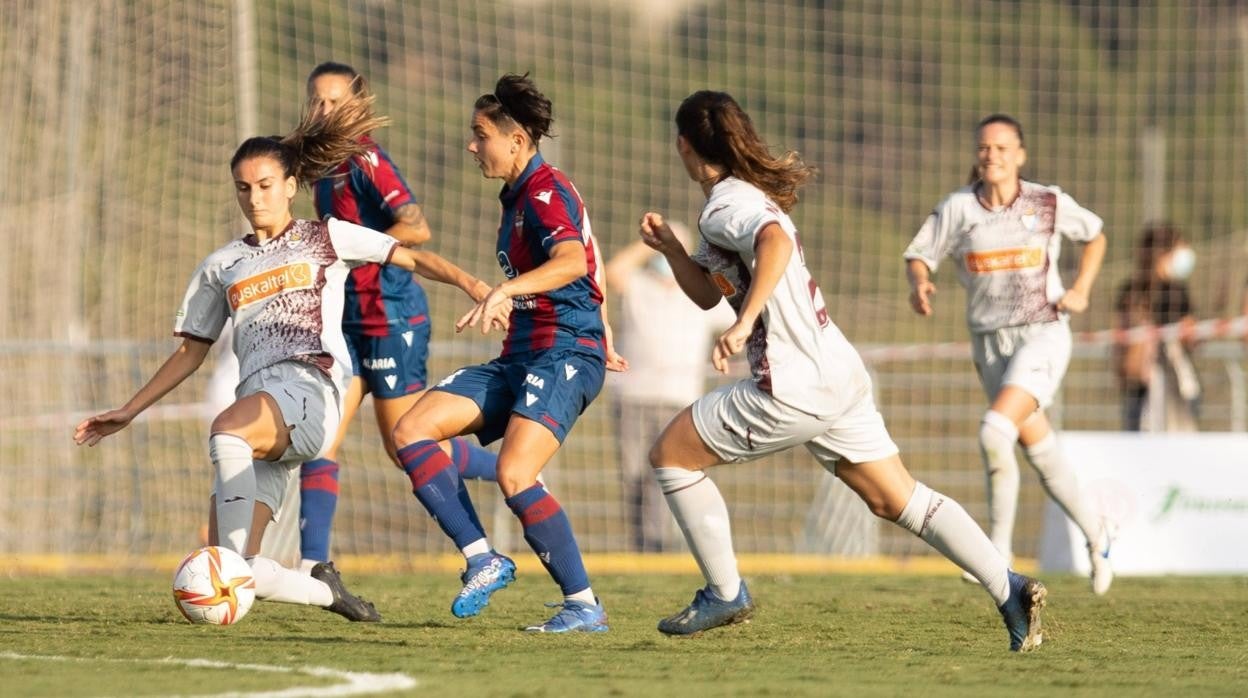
x: 1005, y: 234
x: 808, y: 385
x: 283, y: 287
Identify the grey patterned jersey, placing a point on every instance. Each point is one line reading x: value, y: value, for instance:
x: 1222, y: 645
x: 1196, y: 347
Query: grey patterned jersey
x: 285, y: 295
x: 1006, y: 259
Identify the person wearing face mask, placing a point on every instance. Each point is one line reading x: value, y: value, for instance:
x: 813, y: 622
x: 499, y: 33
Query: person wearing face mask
x: 667, y: 340
x: 1160, y: 388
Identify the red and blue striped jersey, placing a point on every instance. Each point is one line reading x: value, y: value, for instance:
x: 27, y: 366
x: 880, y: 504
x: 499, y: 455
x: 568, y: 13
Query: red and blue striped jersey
x: 541, y: 210
x: 367, y: 190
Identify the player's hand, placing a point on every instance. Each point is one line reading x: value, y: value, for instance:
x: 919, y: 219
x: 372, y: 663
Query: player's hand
x: 1073, y: 302
x: 658, y: 235
x: 92, y: 429
x: 493, y: 311
x: 731, y: 342
x: 920, y: 297
x: 615, y: 362
x: 479, y: 291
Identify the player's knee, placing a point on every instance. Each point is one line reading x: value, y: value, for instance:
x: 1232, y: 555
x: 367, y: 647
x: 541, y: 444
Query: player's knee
x: 406, y: 432
x: 659, y: 456
x: 997, y: 436
x: 513, y: 480
x: 882, y: 507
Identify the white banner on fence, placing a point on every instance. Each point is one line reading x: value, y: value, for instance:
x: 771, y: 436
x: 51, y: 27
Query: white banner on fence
x: 1179, y: 502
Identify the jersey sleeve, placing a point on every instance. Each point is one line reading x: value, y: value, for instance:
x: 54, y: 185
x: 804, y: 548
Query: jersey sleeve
x: 935, y: 238
x: 358, y: 245
x: 552, y: 215
x: 1074, y: 221
x: 392, y: 189
x: 204, y: 308
x: 737, y: 227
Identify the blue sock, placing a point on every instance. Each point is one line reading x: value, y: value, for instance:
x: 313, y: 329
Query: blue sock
x: 435, y: 482
x: 318, y: 498
x: 549, y: 533
x: 466, y: 501
x: 474, y: 462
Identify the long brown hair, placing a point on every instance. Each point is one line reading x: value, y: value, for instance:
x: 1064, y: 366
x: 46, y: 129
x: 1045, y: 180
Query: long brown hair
x: 319, y: 143
x: 721, y: 133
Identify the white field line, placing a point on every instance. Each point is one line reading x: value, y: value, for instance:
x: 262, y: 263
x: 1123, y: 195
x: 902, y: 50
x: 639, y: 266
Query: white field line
x: 355, y: 683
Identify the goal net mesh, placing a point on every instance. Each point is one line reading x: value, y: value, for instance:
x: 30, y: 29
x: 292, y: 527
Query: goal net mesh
x: 120, y: 117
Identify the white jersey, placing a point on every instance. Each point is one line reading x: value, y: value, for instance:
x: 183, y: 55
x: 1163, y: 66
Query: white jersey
x: 796, y: 354
x: 1006, y: 259
x: 285, y: 295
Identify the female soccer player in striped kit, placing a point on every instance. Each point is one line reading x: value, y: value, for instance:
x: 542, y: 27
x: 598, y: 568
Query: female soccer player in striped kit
x: 1004, y: 235
x: 385, y: 316
x: 552, y: 364
x: 282, y: 285
x: 808, y: 387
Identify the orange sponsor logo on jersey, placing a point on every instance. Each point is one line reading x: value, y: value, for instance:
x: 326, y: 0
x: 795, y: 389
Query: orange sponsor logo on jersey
x: 1008, y: 259
x: 725, y: 286
x: 270, y: 283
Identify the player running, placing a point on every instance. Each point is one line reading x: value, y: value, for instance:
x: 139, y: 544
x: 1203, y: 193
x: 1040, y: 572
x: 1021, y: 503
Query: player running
x: 385, y: 317
x: 808, y: 387
x: 552, y: 363
x: 1005, y: 234
x: 282, y: 285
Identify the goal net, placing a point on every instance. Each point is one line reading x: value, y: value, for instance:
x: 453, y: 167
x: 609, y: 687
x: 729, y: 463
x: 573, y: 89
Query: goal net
x: 120, y: 116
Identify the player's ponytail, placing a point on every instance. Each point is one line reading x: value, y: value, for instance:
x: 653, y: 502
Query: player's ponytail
x: 517, y: 102
x: 319, y: 143
x: 721, y: 133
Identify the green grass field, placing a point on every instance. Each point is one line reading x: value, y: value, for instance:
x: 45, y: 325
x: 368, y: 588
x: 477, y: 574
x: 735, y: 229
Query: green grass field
x: 812, y: 635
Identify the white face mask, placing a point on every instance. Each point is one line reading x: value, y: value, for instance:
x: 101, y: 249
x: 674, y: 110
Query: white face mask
x: 1182, y: 262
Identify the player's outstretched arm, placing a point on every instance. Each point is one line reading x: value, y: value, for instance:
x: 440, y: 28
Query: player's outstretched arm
x: 566, y: 264
x: 181, y: 364
x: 691, y: 278
x: 437, y: 268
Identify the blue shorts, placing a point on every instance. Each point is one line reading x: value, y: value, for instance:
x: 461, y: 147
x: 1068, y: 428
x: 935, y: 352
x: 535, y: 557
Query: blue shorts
x: 551, y: 388
x: 391, y: 366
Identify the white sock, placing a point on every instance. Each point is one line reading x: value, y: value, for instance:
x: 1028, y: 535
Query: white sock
x: 235, y: 488
x: 997, y: 436
x: 277, y: 583
x: 306, y: 565
x: 476, y: 547
x: 700, y: 510
x: 943, y: 524
x: 1062, y: 484
x: 585, y: 595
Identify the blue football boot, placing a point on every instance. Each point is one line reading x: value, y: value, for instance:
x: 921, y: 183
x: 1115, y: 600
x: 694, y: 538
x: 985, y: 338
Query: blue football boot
x: 574, y: 617
x: 486, y: 574
x: 709, y: 611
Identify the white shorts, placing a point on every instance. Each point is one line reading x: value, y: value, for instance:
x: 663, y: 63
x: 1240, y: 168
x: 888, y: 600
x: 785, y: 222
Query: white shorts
x: 739, y: 423
x: 310, y: 406
x: 1031, y: 357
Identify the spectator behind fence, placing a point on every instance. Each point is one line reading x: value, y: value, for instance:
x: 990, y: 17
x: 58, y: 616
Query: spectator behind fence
x: 1160, y: 389
x: 667, y: 339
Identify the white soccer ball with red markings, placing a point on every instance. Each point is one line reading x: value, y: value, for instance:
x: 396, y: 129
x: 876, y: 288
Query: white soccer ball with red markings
x: 214, y: 586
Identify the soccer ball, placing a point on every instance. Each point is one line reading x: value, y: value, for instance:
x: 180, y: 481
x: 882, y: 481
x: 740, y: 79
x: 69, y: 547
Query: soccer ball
x: 214, y: 585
